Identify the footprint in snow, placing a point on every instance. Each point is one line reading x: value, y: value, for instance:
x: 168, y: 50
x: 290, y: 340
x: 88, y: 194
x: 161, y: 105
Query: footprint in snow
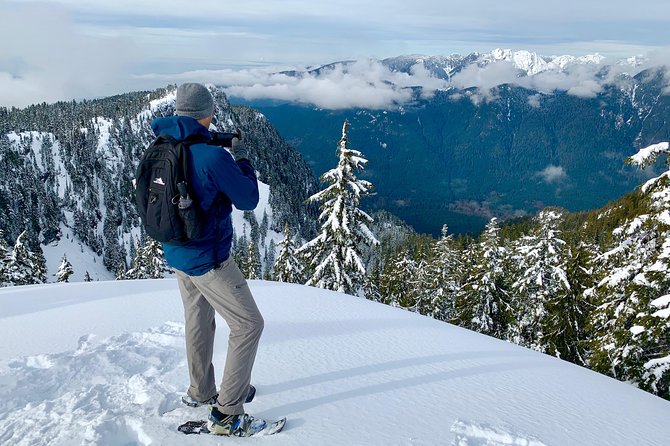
x: 473, y: 434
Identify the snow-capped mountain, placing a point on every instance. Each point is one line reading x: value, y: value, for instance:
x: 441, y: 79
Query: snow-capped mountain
x: 343, y: 370
x: 532, y: 63
x: 528, y: 63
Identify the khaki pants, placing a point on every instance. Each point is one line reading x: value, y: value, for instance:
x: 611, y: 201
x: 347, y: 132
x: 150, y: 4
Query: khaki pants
x: 225, y: 291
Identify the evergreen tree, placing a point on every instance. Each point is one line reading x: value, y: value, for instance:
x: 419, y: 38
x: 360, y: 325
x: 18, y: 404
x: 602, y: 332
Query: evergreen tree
x: 288, y: 267
x: 113, y: 252
x: 120, y: 272
x: 254, y: 232
x: 371, y: 286
x: 4, y: 259
x: 541, y: 280
x: 483, y: 302
x: 269, y: 259
x: 566, y: 333
x: 631, y: 338
x: 442, y: 278
x: 265, y: 225
x: 133, y: 247
x: 335, y: 254
x: 251, y: 266
x: 40, y: 262
x: 25, y: 267
x: 149, y: 263
x: 64, y: 270
x: 420, y: 297
x: 395, y: 283
x: 240, y: 250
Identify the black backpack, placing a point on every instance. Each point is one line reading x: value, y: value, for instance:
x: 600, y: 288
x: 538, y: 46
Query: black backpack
x: 162, y: 192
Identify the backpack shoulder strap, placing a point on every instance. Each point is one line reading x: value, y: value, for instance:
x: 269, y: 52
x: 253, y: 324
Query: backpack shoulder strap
x: 184, y: 152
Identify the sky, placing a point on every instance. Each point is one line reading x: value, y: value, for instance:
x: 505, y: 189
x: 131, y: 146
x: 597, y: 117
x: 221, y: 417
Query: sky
x: 72, y: 49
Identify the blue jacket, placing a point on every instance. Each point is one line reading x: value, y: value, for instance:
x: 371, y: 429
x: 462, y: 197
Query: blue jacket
x: 214, y: 174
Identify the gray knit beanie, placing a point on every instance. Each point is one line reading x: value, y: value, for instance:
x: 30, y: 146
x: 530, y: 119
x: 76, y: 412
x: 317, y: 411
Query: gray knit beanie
x: 194, y: 100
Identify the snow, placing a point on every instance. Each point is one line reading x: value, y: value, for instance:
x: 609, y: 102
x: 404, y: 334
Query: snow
x: 532, y: 63
x: 104, y: 126
x: 104, y: 363
x: 81, y: 257
x: 661, y: 302
x: 169, y: 98
x: 637, y: 329
x: 648, y: 154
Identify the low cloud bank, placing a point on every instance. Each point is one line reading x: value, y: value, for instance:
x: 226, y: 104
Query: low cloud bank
x: 369, y: 84
x: 360, y: 84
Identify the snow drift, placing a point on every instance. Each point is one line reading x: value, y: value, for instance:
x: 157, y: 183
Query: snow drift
x: 104, y: 363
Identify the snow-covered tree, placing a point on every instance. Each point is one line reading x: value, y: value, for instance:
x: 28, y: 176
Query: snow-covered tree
x: 4, y: 259
x: 64, y: 270
x: 541, y: 280
x: 25, y: 267
x: 442, y: 277
x: 334, y: 256
x: 566, y: 325
x: 269, y: 259
x: 288, y: 267
x: 397, y: 284
x: 632, y: 324
x: 251, y: 266
x: 240, y: 250
x: 483, y: 302
x: 149, y: 262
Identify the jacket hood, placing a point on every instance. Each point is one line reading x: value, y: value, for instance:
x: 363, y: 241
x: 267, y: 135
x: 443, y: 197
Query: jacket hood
x: 179, y: 127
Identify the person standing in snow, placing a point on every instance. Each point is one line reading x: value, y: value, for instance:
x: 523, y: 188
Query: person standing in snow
x: 209, y: 279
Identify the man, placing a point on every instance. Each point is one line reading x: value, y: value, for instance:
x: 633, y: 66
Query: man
x: 209, y: 279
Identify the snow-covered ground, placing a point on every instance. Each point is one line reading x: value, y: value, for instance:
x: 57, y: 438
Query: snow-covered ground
x: 104, y: 363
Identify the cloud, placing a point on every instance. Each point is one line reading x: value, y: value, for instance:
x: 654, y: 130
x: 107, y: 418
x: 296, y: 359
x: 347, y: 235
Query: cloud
x: 46, y: 58
x: 666, y: 90
x: 359, y: 84
x: 485, y: 79
x: 578, y: 80
x: 65, y: 49
x: 535, y: 100
x: 552, y: 174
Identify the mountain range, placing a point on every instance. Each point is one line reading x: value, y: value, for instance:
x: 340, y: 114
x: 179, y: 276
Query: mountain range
x: 505, y: 135
x: 530, y: 63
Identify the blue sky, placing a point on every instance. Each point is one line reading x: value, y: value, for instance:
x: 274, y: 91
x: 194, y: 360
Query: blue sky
x: 62, y: 49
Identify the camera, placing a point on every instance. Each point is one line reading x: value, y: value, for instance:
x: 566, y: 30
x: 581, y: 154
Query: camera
x: 223, y: 139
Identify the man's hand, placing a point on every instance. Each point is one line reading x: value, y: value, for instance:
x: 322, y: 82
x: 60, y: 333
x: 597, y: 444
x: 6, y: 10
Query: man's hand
x: 238, y: 148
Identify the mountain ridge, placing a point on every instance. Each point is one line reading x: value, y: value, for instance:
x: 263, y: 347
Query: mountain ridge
x: 528, y: 63
x: 471, y: 154
x: 72, y: 164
